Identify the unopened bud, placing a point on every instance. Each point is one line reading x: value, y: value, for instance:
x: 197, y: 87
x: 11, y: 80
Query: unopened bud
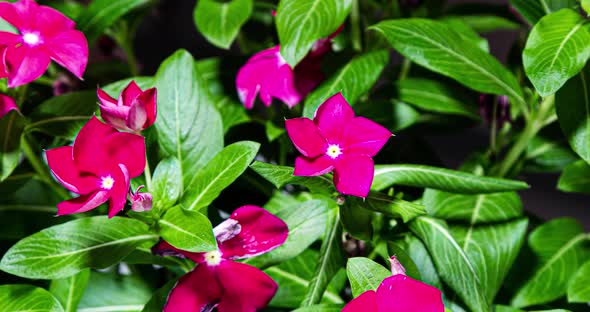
x: 396, y: 266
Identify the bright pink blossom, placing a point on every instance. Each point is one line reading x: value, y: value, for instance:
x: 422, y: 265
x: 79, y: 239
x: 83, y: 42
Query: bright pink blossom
x: 267, y: 73
x: 6, y: 104
x: 336, y: 140
x: 140, y: 201
x: 398, y: 293
x: 44, y: 34
x: 217, y: 281
x: 134, y: 111
x: 98, y: 167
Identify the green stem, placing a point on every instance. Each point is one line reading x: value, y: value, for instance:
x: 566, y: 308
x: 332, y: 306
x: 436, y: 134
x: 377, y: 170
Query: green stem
x: 41, y: 169
x: 46, y: 81
x: 356, y: 26
x: 494, y: 126
x: 123, y: 37
x: 533, y: 126
x: 405, y: 69
x: 148, y: 175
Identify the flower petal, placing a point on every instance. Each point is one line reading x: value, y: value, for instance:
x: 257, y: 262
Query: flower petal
x: 90, y: 154
x: 50, y: 21
x: 364, y: 137
x: 82, y: 203
x: 6, y: 104
x: 245, y: 288
x: 308, y: 167
x: 70, y: 50
x: 114, y: 115
x: 259, y: 232
x: 9, y: 39
x: 366, y: 302
x: 127, y: 149
x: 149, y: 100
x: 332, y: 116
x: 137, y: 117
x: 119, y: 191
x: 61, y: 163
x: 18, y: 14
x: 25, y: 64
x: 196, y: 291
x: 306, y: 136
x: 354, y: 175
x: 105, y: 99
x: 129, y: 94
x: 402, y: 293
x: 163, y: 248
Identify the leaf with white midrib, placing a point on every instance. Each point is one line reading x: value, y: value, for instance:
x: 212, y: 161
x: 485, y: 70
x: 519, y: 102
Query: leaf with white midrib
x: 229, y: 17
x: 365, y: 274
x: 579, y: 287
x: 69, y: 290
x: 28, y: 298
x: 187, y: 230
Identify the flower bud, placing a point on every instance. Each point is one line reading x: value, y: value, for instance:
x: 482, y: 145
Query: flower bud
x: 134, y: 111
x: 396, y: 266
x: 140, y: 202
x: 6, y: 104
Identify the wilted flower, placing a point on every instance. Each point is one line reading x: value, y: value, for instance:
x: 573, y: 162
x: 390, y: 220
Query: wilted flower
x: 398, y: 293
x: 502, y: 111
x: 140, y: 202
x: 134, y: 111
x: 98, y: 167
x: 217, y: 281
x: 6, y: 104
x: 338, y: 141
x: 267, y: 73
x: 44, y: 34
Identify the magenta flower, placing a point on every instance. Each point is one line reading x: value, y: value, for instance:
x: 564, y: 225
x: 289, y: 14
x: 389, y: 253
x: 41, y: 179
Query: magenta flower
x: 134, y: 111
x: 217, y: 281
x: 338, y: 141
x: 267, y: 73
x: 44, y: 34
x: 98, y: 167
x: 398, y: 293
x: 140, y: 202
x: 6, y: 104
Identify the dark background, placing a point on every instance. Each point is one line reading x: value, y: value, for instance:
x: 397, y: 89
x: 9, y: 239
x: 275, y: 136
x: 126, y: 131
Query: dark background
x: 169, y: 26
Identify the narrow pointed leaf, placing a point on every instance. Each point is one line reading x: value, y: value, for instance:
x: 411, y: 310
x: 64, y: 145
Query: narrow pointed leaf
x: 575, y: 178
x: 101, y: 14
x: 11, y: 128
x: 69, y: 290
x: 229, y: 18
x: 26, y: 298
x: 365, y: 274
x: 187, y: 230
x: 390, y: 206
x: 280, y: 176
x: 301, y: 23
x: 66, y: 249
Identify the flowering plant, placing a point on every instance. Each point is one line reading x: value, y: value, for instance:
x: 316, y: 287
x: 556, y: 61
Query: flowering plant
x: 309, y: 155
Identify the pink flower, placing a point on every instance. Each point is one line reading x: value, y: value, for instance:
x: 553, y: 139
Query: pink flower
x: 338, y: 141
x: 98, y: 167
x: 267, y: 73
x: 140, y: 202
x: 6, y: 104
x: 44, y: 34
x: 398, y: 293
x: 134, y: 111
x: 217, y: 281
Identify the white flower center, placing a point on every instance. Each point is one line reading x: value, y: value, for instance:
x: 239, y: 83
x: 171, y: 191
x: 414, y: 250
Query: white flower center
x: 107, y: 182
x: 31, y: 38
x: 213, y: 257
x: 334, y: 151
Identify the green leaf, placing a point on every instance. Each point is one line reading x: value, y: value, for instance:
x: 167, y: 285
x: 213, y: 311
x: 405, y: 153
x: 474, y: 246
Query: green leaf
x: 166, y: 183
x: 280, y: 176
x: 453, y: 265
x: 440, y: 179
x: 483, y: 208
x: 572, y: 105
x: 437, y: 47
x: 418, y: 254
x: 101, y: 14
x: 556, y: 50
x: 560, y: 246
x: 546, y: 155
x: 355, y: 79
x: 488, y: 23
x: 578, y: 289
x: 232, y: 113
x: 189, y: 127
x: 220, y: 172
x: 434, y: 96
x: 159, y: 298
x: 66, y: 249
x: 575, y: 178
x: 63, y: 115
x: 466, y: 32
x: 306, y: 222
x: 365, y: 274
x: 357, y: 222
x: 301, y: 23
x: 11, y: 128
x: 229, y: 18
x: 331, y: 260
x: 531, y: 10
x: 113, y: 292
x: 187, y: 230
x: 390, y: 206
x: 27, y: 298
x: 321, y: 308
x: 69, y: 290
x: 491, y: 249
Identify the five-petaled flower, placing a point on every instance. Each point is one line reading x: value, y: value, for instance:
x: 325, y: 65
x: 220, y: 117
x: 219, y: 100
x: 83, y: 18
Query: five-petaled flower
x: 6, y: 104
x: 217, y: 281
x: 44, y: 34
x: 398, y: 293
x: 98, y: 167
x: 338, y: 141
x: 267, y: 73
x: 134, y: 111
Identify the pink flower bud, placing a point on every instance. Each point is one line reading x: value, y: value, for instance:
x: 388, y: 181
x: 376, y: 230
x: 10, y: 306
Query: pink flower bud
x: 396, y: 266
x: 6, y: 104
x: 140, y: 202
x: 134, y: 111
